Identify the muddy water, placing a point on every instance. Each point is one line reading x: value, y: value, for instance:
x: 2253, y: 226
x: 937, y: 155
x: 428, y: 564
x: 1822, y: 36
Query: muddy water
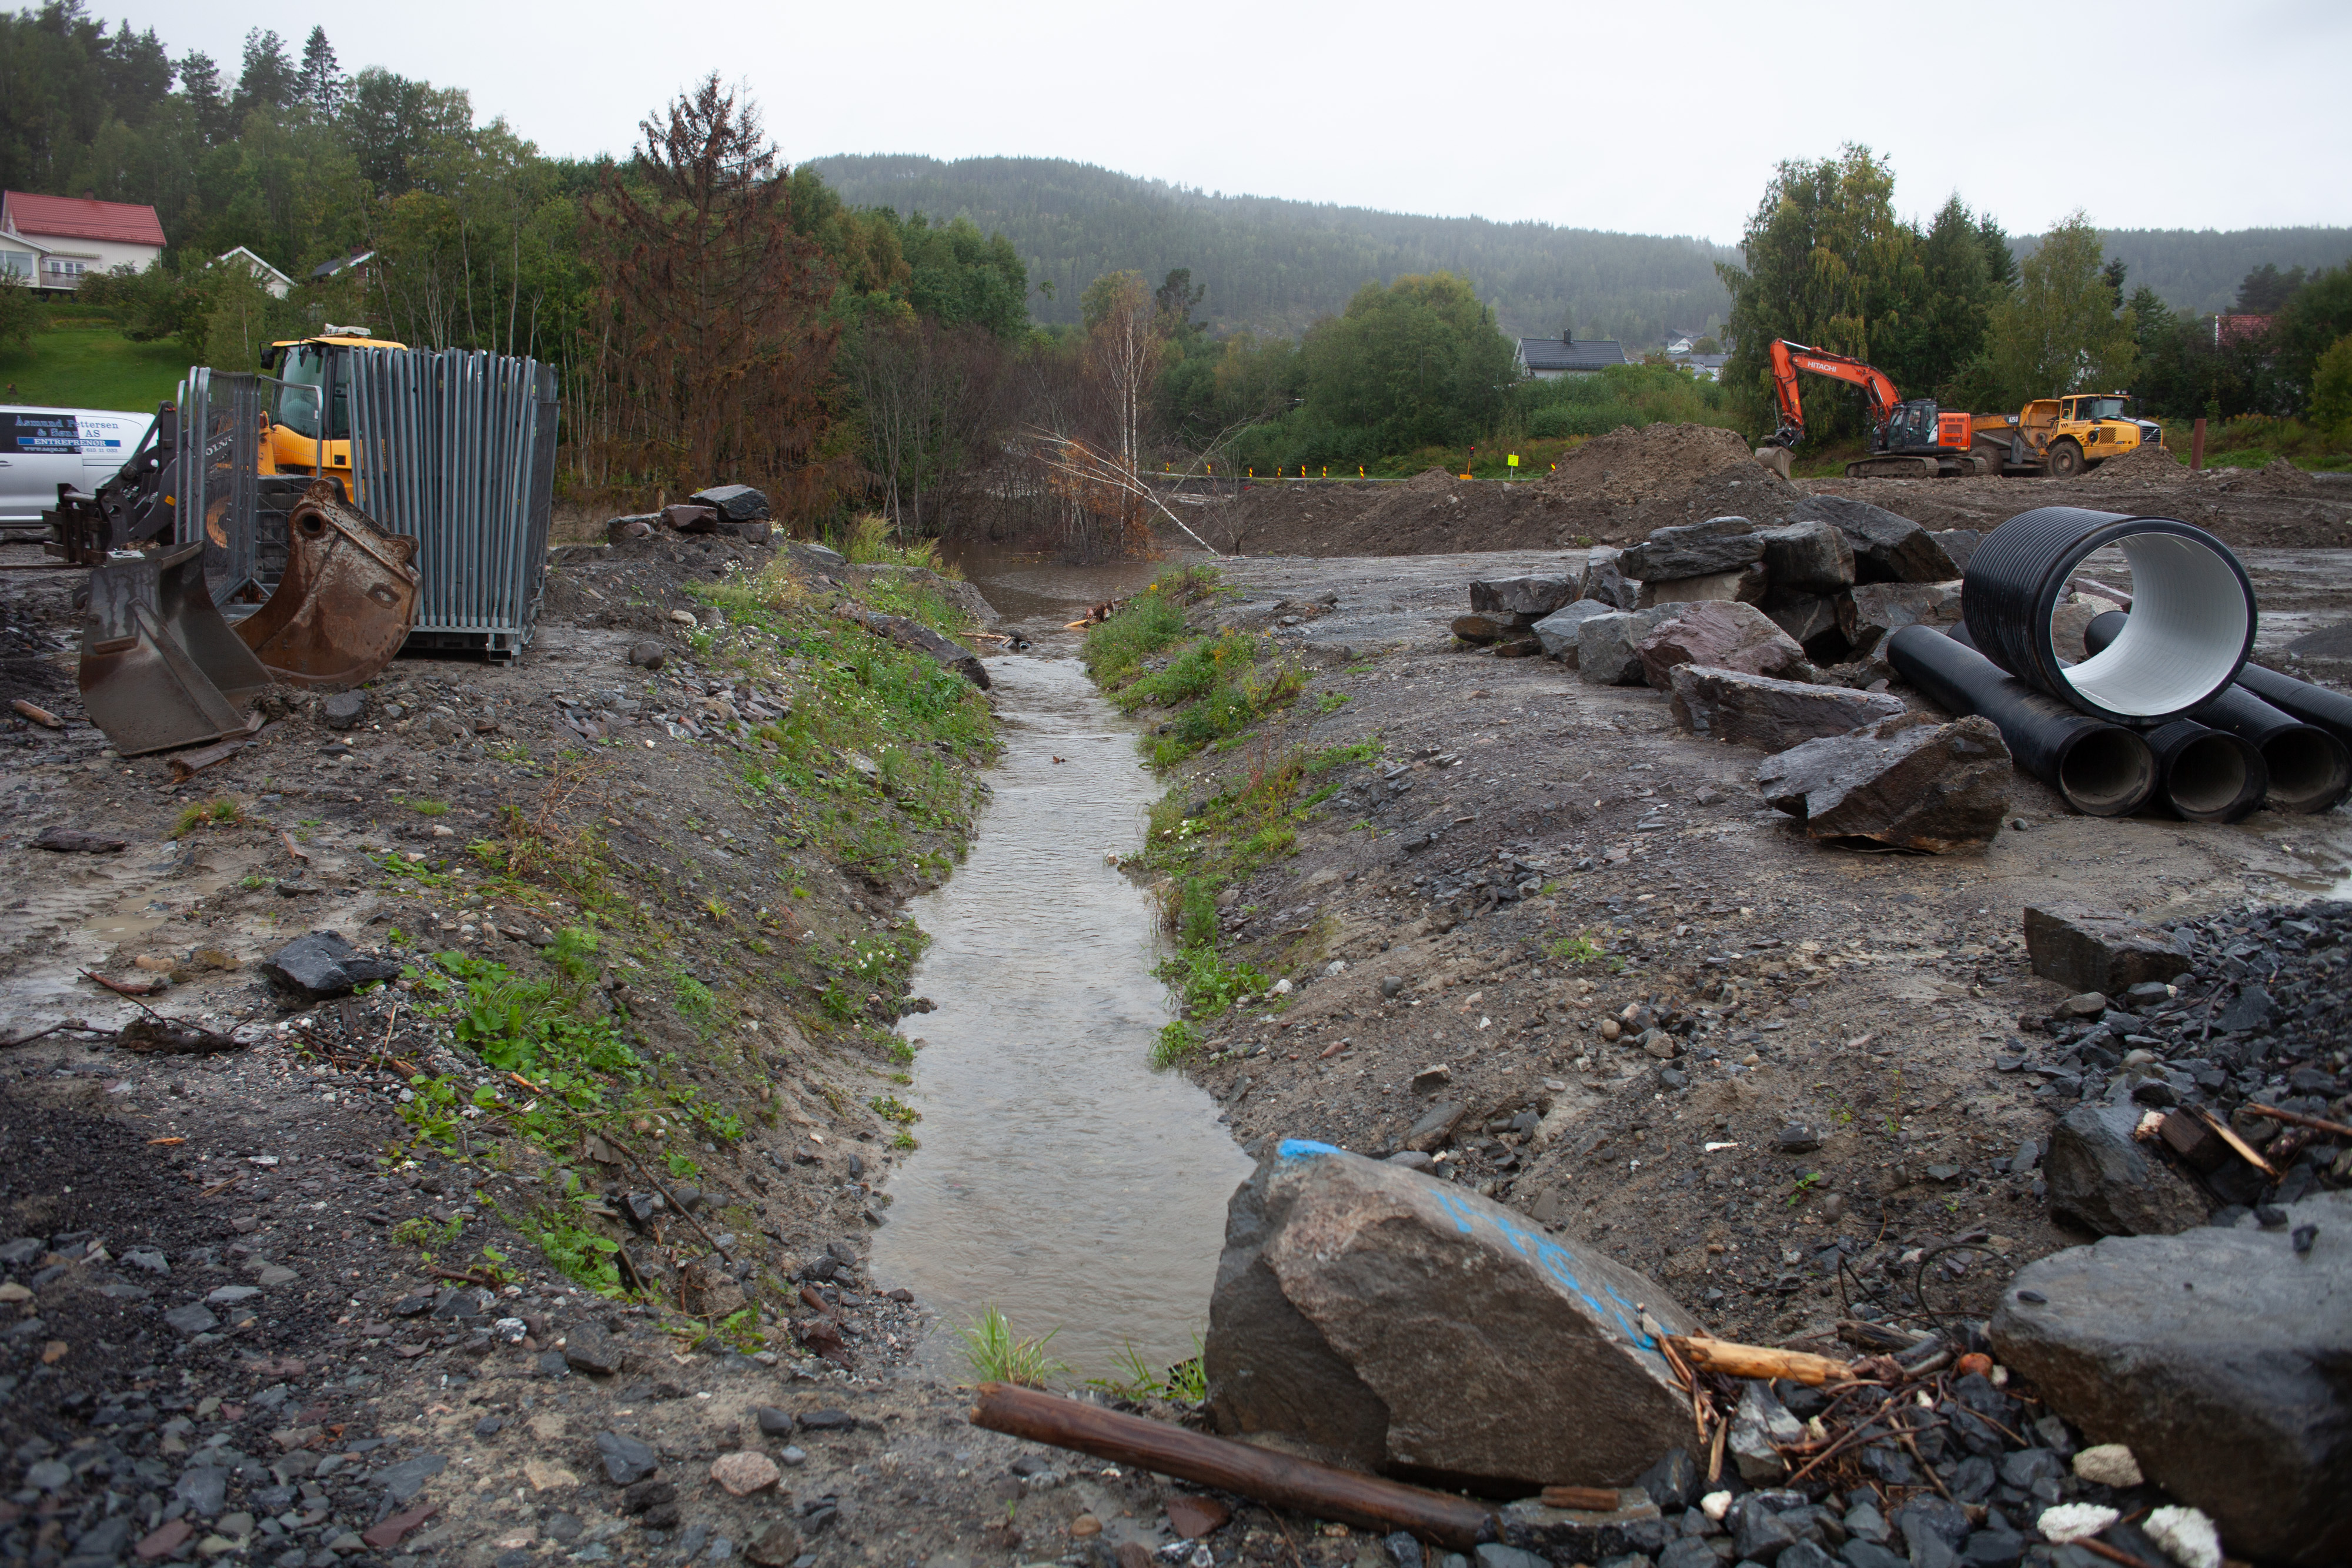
x: 1060, y: 1179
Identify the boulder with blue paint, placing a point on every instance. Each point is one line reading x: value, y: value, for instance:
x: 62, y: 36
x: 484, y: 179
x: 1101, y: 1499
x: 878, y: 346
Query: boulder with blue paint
x: 1372, y: 1316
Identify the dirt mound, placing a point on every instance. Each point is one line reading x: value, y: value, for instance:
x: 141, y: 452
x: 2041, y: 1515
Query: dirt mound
x: 2280, y: 477
x: 2152, y: 463
x: 1637, y: 466
x: 1430, y: 479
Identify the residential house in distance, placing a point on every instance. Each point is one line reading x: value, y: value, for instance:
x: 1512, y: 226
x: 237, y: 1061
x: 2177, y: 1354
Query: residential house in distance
x: 360, y: 261
x: 1680, y: 343
x: 1706, y: 367
x: 2230, y: 330
x: 276, y: 282
x: 54, y: 242
x: 1548, y: 359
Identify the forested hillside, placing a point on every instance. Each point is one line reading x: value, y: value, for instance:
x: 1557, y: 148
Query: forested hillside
x: 1279, y: 266
x: 2197, y: 271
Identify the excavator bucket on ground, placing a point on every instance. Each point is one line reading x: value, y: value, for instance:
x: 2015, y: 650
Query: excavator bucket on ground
x: 160, y: 667
x: 346, y: 602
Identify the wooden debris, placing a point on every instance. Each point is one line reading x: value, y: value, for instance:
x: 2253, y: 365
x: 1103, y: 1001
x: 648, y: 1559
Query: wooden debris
x: 1584, y: 1499
x: 73, y: 840
x: 130, y: 987
x: 1735, y: 1360
x: 38, y: 715
x: 169, y: 1037
x: 2246, y: 1151
x: 1326, y: 1491
x: 188, y: 764
x: 2297, y: 1118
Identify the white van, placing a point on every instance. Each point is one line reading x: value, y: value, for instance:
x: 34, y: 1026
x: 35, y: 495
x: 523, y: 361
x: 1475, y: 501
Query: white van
x: 42, y: 449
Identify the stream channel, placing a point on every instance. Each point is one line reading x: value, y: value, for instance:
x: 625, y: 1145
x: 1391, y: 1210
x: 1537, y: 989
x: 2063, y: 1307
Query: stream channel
x: 1059, y: 1179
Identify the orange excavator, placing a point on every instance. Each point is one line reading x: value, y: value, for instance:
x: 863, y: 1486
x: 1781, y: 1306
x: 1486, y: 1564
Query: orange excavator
x: 1910, y: 438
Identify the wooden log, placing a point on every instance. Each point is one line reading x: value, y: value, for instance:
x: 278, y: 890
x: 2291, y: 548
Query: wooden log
x: 1584, y: 1499
x: 1345, y: 1497
x: 1737, y: 1360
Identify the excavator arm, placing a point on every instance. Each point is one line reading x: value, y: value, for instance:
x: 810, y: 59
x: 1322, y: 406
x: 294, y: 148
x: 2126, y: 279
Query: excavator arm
x: 1789, y: 358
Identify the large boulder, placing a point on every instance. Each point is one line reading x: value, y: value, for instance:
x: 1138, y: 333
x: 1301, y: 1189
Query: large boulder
x: 1960, y: 544
x: 1694, y: 549
x: 1481, y: 627
x: 1397, y: 1322
x: 2103, y: 1178
x: 1523, y: 596
x: 2222, y: 1358
x: 1558, y: 630
x: 1757, y: 710
x: 1605, y: 646
x: 1886, y: 548
x: 2102, y: 950
x: 1876, y: 610
x: 1814, y: 557
x: 1724, y: 636
x: 1605, y: 578
x: 1907, y: 781
x: 1746, y: 586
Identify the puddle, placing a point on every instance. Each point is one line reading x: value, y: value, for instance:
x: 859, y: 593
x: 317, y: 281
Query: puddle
x: 1060, y: 1179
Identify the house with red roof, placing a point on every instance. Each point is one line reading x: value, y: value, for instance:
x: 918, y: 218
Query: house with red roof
x: 53, y: 242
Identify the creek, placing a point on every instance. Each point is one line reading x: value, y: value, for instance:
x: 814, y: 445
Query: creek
x: 1060, y: 1178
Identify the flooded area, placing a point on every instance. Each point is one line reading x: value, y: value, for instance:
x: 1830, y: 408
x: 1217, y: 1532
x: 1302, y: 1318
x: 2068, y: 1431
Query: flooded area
x: 1060, y: 1179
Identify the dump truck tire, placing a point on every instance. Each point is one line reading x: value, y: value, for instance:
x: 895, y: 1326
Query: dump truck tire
x: 2065, y: 459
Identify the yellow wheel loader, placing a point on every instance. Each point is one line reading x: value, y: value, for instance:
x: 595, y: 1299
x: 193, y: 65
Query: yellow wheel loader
x: 2061, y: 437
x: 161, y: 666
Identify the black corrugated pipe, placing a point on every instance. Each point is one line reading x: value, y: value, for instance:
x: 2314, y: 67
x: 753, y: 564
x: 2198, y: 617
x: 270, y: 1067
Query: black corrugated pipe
x: 2208, y: 775
x: 2103, y: 769
x: 2310, y: 770
x: 2331, y: 711
x: 2193, y: 622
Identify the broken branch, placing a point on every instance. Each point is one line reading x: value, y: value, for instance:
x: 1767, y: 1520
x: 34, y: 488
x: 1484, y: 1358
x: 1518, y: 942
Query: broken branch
x: 1735, y: 1360
x: 2297, y: 1118
x: 1324, y: 1491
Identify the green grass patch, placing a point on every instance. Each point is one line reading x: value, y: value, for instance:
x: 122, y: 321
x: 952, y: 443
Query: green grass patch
x: 82, y: 366
x: 996, y: 1355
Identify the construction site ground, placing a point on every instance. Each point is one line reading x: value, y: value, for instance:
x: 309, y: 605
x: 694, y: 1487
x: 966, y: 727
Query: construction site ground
x: 1615, y: 488
x: 1868, y: 996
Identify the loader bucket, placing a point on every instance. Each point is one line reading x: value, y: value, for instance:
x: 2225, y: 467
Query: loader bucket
x: 346, y: 603
x: 160, y: 668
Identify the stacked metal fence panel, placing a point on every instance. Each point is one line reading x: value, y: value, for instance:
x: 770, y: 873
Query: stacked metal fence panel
x: 457, y: 449
x: 216, y: 487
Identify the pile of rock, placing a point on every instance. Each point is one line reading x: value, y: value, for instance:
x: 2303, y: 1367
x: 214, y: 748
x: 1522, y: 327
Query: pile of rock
x: 1369, y: 1314
x: 1730, y: 619
x: 2201, y: 1072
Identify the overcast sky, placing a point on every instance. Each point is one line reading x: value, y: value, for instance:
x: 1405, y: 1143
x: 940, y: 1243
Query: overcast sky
x: 1650, y: 115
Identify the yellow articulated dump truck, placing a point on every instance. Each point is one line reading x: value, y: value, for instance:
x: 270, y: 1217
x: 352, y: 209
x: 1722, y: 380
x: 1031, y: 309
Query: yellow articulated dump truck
x: 2061, y: 437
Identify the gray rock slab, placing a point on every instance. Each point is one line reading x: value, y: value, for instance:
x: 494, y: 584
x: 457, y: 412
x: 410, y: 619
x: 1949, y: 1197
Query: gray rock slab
x: 626, y: 1459
x: 2220, y: 1358
x: 192, y: 1319
x: 1605, y: 654
x: 2086, y: 949
x: 1808, y: 557
x: 1802, y: 615
x: 1757, y: 710
x: 1960, y: 544
x: 2103, y: 1177
x: 1605, y: 578
x: 323, y: 965
x: 1905, y: 781
x: 911, y: 633
x: 1535, y: 596
x: 1887, y: 548
x: 343, y: 710
x: 1405, y: 1324
x: 1698, y: 550
x: 1558, y: 630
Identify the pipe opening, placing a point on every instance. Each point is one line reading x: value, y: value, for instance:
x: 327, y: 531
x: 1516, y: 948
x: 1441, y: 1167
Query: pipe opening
x: 2104, y: 772
x: 2186, y: 636
x: 2208, y: 778
x: 2310, y: 770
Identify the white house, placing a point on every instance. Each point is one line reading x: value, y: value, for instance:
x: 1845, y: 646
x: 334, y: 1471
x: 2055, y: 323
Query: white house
x: 1547, y: 359
x: 55, y: 241
x: 276, y: 282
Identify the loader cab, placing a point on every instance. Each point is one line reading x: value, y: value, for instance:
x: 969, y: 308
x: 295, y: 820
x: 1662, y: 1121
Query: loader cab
x: 311, y: 404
